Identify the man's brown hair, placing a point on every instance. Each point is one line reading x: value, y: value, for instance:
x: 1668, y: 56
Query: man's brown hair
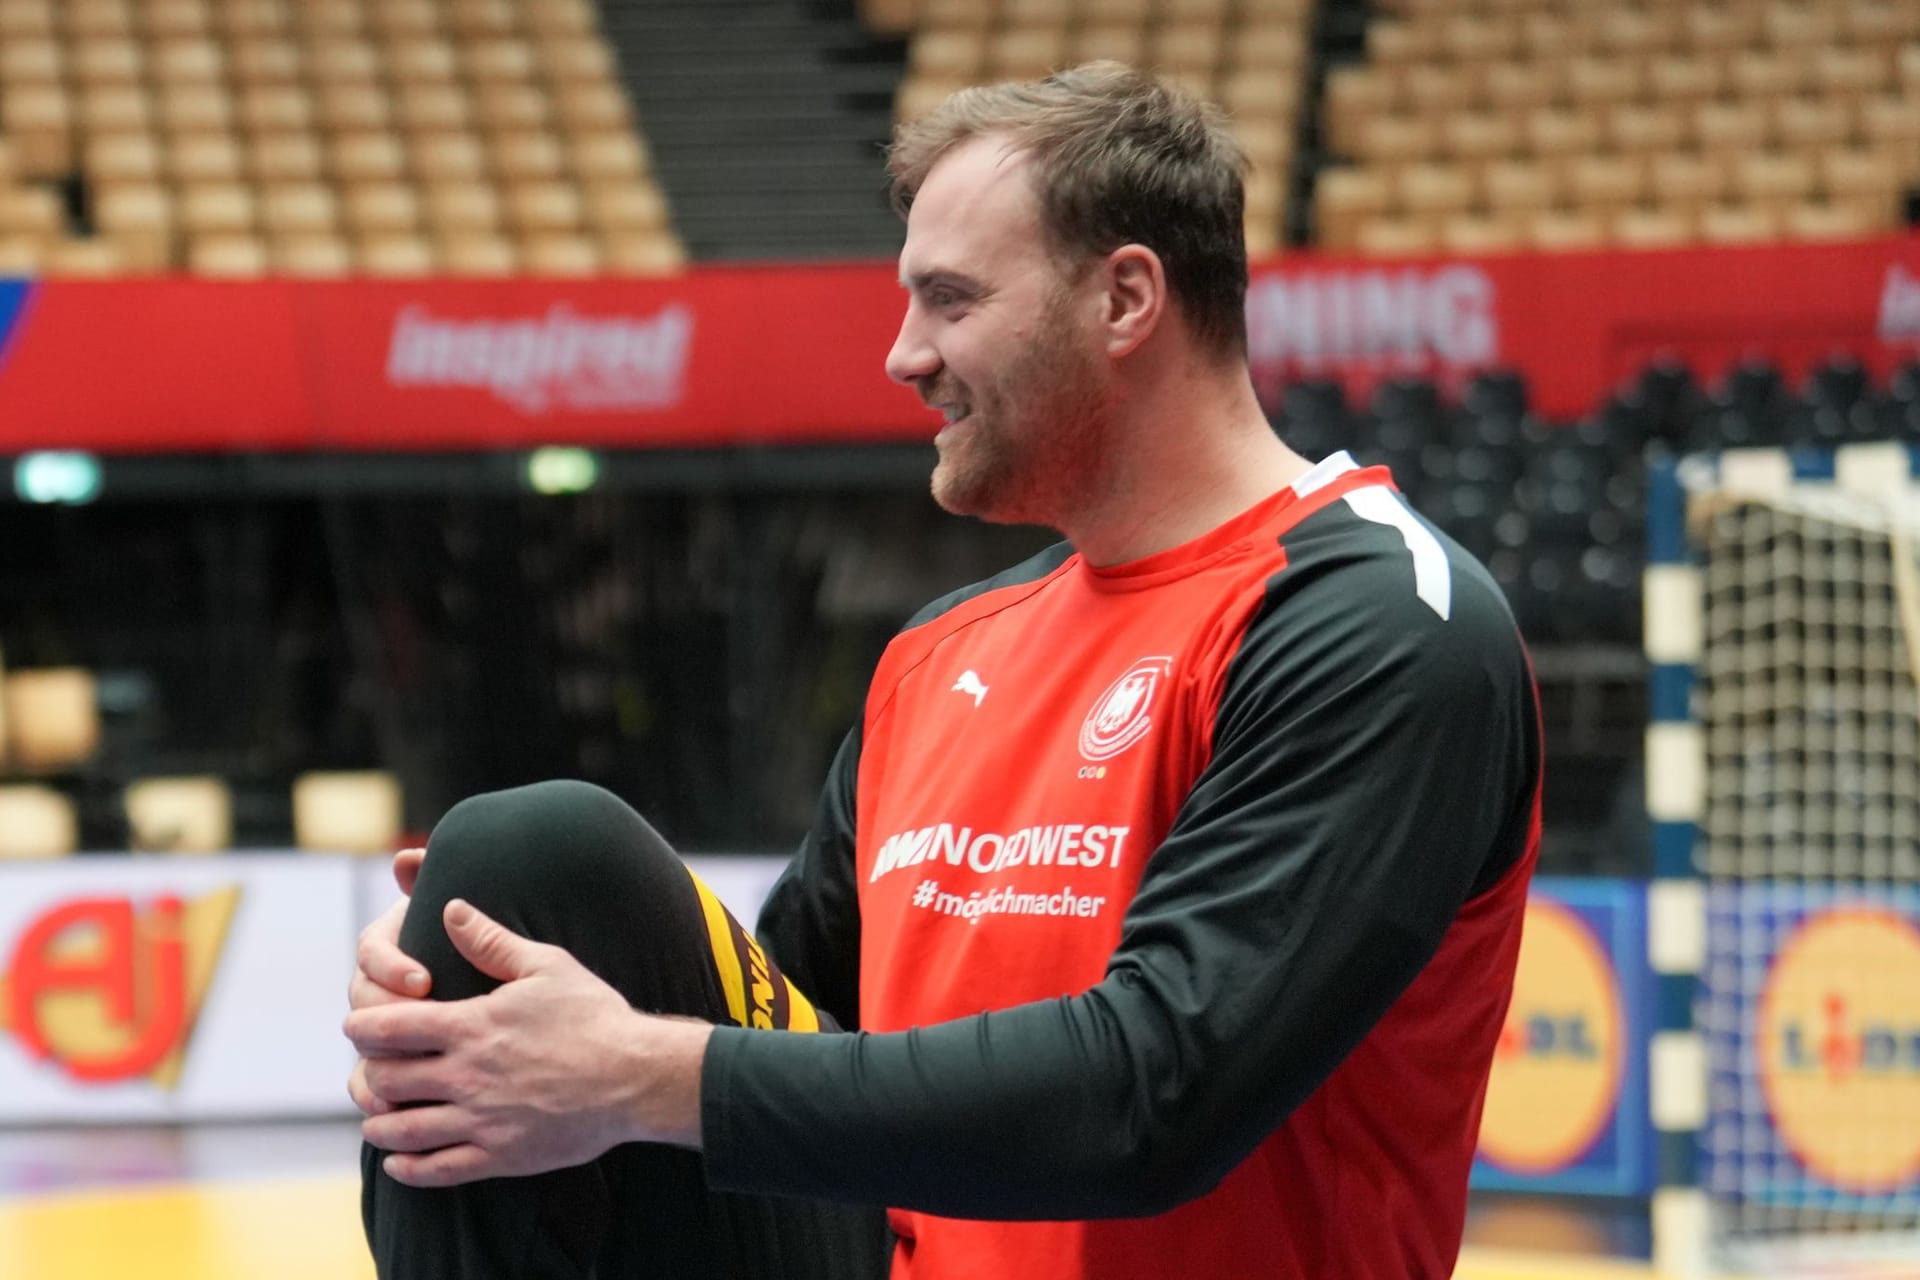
x: 1118, y: 158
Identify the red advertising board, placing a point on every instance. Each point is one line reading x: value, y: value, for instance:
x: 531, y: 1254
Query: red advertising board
x: 736, y: 356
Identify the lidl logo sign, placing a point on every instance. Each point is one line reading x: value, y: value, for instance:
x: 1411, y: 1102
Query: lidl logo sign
x: 1839, y: 1039
x: 107, y: 989
x: 1560, y: 1060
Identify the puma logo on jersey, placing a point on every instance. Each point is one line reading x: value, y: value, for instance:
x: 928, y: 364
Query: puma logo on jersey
x: 969, y: 682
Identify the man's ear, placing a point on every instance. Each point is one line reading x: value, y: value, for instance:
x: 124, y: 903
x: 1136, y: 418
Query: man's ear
x: 1136, y: 297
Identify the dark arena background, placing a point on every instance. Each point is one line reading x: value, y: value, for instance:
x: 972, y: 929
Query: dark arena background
x: 401, y: 399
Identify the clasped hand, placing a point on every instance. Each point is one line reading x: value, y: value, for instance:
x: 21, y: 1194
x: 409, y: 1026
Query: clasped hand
x: 548, y: 1070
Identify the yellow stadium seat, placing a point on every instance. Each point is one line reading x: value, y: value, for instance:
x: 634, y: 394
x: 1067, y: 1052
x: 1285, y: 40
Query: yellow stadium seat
x: 422, y: 60
x: 1259, y: 95
x: 1399, y: 138
x: 347, y: 812
x: 1562, y: 131
x: 1117, y: 42
x: 1437, y: 89
x: 1715, y: 29
x: 577, y: 61
x: 957, y: 52
x: 36, y: 822
x: 1545, y: 34
x: 196, y: 108
x: 1638, y: 128
x: 1391, y: 42
x: 108, y: 60
x: 1522, y: 185
x: 1730, y: 127
x: 52, y: 718
x: 344, y: 60
x: 32, y: 211
x: 285, y: 157
x: 463, y: 206
x: 1766, y: 73
x: 26, y: 19
x: 527, y: 156
x: 482, y: 17
x: 1725, y: 223
x: 139, y: 218
x: 227, y: 257
x: 1517, y: 87
x: 1812, y: 124
x: 242, y: 18
x: 401, y: 18
x: 375, y: 208
x: 288, y: 208
x: 1816, y: 221
x: 1789, y: 25
x: 275, y: 108
x: 1654, y: 227
x: 216, y: 207
x: 115, y: 108
x: 1436, y: 188
x: 1689, y: 181
x: 1268, y: 143
x: 366, y: 157
x: 953, y: 14
x: 1604, y: 80
x: 1890, y: 124
x: 498, y: 60
x: 353, y: 108
x: 1870, y: 23
x: 179, y: 815
x: 123, y: 157
x: 21, y: 255
x: 478, y: 254
x: 395, y: 255
x: 32, y: 60
x: 1278, y: 47
x: 538, y: 207
x: 1609, y: 183
x: 189, y: 60
x: 1860, y: 175
x: 426, y: 107
x: 1852, y: 73
x: 1476, y: 135
x: 507, y: 106
x: 97, y: 258
x: 626, y: 206
x: 566, y: 16
x: 559, y: 254
x: 311, y: 256
x: 1025, y: 53
x: 1478, y: 233
x: 1479, y: 37
x: 591, y: 106
x: 1191, y: 47
x: 1354, y: 96
x: 1773, y: 179
x: 89, y: 19
x: 1566, y: 230
x: 446, y: 157
x: 1396, y: 237
x: 327, y: 19
x: 1683, y: 77
x: 606, y: 155
x: 166, y: 19
x: 204, y: 158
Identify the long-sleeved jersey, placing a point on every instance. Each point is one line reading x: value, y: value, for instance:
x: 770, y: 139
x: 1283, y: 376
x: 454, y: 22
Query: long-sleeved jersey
x: 1178, y: 902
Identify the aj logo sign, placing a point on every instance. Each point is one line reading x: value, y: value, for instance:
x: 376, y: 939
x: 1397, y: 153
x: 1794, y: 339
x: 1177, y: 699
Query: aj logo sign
x: 107, y: 990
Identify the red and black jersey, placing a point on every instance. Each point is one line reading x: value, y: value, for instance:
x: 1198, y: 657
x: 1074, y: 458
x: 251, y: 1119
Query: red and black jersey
x: 1178, y: 903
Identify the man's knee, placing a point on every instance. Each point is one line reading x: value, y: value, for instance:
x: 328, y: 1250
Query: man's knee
x: 564, y: 832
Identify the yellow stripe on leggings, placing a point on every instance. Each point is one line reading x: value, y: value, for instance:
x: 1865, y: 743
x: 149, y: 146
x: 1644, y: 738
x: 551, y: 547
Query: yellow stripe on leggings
x: 726, y: 956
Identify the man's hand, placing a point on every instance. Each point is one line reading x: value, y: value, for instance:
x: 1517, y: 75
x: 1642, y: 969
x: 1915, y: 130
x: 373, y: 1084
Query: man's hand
x: 547, y: 1071
x: 383, y: 973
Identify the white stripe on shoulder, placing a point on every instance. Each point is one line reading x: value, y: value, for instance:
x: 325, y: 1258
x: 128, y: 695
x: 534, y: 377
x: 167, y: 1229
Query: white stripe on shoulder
x: 1432, y: 576
x: 1325, y: 472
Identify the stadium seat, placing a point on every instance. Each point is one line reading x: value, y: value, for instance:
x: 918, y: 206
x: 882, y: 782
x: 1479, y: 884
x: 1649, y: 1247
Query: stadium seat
x: 299, y: 207
x: 227, y: 257
x: 311, y: 256
x: 36, y: 822
x: 381, y: 207
x: 478, y: 254
x: 89, y: 259
x: 395, y: 255
x: 216, y: 207
x: 201, y: 158
x: 347, y: 812
x: 52, y: 718
x: 179, y: 815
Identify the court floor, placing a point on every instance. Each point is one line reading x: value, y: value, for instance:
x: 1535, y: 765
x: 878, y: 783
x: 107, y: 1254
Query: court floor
x: 240, y: 1202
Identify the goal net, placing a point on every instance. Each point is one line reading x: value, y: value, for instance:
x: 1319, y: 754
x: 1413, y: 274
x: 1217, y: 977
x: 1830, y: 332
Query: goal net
x: 1809, y: 845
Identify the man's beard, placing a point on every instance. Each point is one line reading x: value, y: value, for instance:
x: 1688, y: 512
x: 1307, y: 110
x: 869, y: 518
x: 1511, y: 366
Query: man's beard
x: 1031, y: 447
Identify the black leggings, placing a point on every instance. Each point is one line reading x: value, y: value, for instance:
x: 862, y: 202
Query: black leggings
x: 570, y: 864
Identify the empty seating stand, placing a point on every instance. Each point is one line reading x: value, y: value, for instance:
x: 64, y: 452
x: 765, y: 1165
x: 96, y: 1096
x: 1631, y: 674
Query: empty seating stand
x: 1485, y: 125
x: 242, y: 137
